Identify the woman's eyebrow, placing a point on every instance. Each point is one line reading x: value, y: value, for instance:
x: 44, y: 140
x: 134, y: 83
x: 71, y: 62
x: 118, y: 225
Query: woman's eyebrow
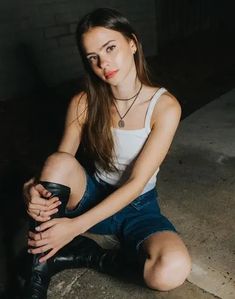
x: 104, y: 45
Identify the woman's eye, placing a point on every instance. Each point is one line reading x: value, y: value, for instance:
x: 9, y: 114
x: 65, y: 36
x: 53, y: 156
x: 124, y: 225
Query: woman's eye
x: 92, y: 59
x: 110, y: 48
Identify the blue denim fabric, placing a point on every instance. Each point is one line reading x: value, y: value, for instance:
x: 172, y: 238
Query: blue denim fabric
x: 133, y: 224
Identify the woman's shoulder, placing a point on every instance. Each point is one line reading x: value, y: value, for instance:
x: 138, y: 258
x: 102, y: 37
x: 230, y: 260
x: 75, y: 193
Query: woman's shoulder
x: 78, y: 107
x: 79, y: 99
x: 167, y: 104
x: 165, y: 99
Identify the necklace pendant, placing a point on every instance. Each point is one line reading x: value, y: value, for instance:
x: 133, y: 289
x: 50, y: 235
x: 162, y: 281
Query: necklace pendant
x: 121, y: 123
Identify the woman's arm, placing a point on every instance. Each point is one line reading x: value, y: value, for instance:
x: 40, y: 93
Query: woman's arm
x: 166, y: 117
x: 73, y: 125
x: 34, y: 194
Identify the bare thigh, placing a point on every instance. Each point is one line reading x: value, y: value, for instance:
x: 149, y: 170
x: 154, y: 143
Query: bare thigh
x: 63, y: 168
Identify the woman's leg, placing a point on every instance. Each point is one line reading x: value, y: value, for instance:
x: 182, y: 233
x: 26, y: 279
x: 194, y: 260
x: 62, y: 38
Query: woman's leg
x: 63, y: 168
x: 60, y: 175
x: 168, y: 262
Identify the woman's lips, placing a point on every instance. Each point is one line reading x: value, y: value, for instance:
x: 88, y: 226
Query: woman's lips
x: 110, y: 74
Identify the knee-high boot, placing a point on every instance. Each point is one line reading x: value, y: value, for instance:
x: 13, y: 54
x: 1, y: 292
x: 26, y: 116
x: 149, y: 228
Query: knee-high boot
x: 39, y: 276
x: 80, y: 252
x: 85, y: 252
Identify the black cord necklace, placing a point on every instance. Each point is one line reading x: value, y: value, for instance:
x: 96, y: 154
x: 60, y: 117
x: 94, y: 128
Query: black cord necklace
x: 117, y: 99
x: 121, y: 122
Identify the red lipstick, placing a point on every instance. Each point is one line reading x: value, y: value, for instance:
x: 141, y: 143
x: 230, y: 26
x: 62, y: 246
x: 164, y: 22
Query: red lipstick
x: 110, y: 74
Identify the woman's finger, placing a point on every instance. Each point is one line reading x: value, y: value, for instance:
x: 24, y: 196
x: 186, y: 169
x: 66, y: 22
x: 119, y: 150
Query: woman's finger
x: 41, y: 249
x: 38, y: 215
x: 42, y: 213
x: 44, y: 203
x: 38, y: 243
x: 42, y: 216
x: 39, y: 218
x: 32, y: 214
x: 48, y: 255
x: 46, y: 225
x: 38, y: 239
x: 42, y: 190
x: 34, y: 236
x: 38, y: 194
x: 38, y: 236
x: 35, y: 207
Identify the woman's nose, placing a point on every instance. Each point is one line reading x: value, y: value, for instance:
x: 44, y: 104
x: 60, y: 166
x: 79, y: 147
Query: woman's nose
x: 103, y: 62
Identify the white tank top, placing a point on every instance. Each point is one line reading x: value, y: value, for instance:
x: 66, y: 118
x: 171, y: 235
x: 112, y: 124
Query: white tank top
x: 127, y: 145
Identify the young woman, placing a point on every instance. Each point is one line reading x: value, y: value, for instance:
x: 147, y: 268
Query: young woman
x: 126, y: 126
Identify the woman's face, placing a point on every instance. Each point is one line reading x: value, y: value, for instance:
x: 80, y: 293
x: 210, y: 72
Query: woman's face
x: 109, y: 54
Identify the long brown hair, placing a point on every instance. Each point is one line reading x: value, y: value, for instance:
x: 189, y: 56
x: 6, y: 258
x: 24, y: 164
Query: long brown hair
x: 97, y: 135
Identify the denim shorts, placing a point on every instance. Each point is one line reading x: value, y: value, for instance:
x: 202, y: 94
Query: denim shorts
x: 131, y: 225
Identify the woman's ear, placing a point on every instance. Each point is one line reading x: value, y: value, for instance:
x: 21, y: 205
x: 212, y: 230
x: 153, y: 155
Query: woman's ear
x: 133, y: 42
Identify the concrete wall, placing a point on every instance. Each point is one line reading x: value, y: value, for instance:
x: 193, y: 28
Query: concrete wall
x: 37, y: 45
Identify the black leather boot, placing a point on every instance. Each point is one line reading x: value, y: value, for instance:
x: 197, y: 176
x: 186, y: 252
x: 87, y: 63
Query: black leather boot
x: 39, y: 277
x: 85, y: 252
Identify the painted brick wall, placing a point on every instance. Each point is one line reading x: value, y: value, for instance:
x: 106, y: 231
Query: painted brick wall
x: 37, y: 45
x: 178, y: 19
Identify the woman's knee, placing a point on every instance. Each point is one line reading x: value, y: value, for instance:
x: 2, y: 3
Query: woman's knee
x: 169, y: 271
x: 58, y: 166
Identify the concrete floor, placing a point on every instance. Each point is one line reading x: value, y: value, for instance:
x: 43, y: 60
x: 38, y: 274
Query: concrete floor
x: 197, y: 187
x: 88, y: 284
x: 196, y: 182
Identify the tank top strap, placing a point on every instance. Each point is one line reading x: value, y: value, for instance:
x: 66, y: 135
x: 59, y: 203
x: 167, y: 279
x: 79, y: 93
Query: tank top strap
x: 151, y: 106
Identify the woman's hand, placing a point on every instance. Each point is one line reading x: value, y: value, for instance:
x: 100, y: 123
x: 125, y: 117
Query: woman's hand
x: 52, y: 235
x: 38, y: 206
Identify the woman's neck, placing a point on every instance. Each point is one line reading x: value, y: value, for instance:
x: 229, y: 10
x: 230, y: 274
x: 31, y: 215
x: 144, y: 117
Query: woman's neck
x: 127, y: 88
